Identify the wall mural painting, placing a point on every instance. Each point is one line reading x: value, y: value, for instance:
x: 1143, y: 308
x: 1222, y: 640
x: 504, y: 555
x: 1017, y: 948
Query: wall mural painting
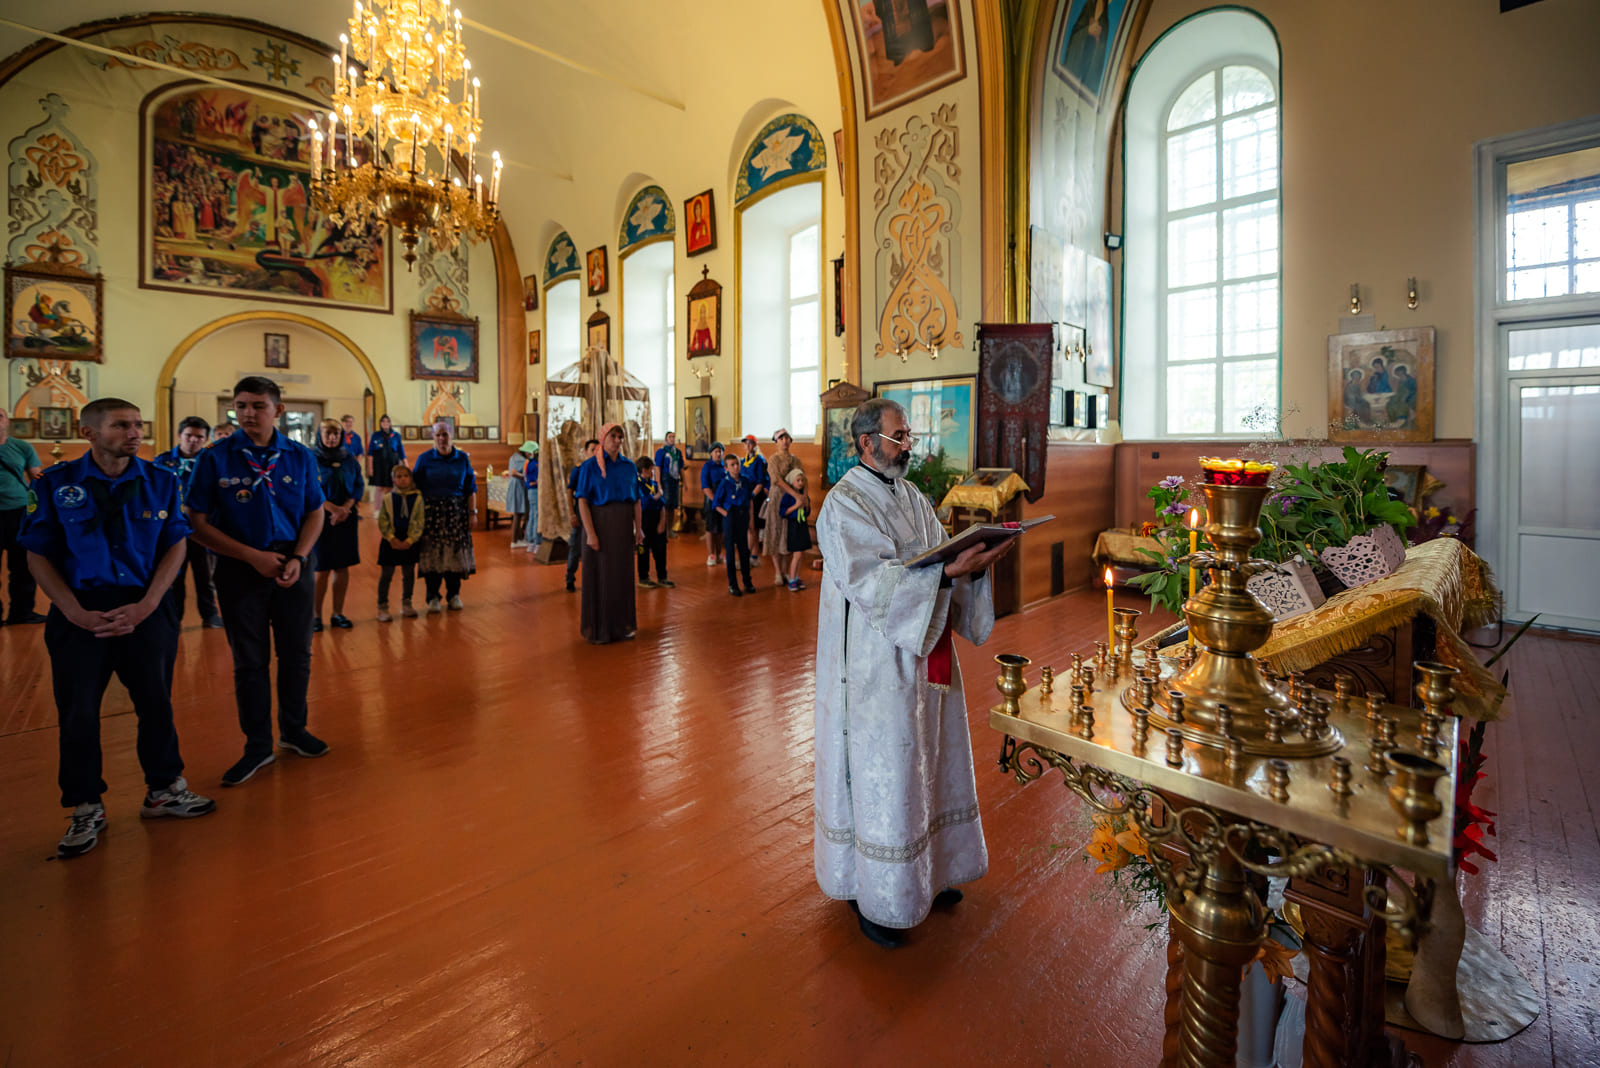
x: 444, y: 346
x: 917, y: 233
x: 445, y: 400
x: 1089, y: 42
x: 908, y: 49
x: 1100, y: 365
x: 52, y: 184
x: 561, y: 260
x: 54, y: 311
x: 188, y: 55
x: 227, y: 207
x: 786, y: 146
x: 649, y: 215
x: 41, y: 383
x: 442, y: 279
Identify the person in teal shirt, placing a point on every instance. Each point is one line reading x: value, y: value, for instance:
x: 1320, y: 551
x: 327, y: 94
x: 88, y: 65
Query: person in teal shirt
x: 19, y: 467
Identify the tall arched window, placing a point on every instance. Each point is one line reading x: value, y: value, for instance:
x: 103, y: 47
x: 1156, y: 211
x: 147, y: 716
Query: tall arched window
x: 648, y: 326
x: 563, y: 314
x: 1202, y: 305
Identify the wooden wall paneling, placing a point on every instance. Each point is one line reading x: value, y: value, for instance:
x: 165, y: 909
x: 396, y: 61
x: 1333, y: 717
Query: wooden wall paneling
x: 1080, y: 494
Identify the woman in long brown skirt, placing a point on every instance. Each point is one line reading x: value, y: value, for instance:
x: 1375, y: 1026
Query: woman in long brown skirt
x: 608, y: 505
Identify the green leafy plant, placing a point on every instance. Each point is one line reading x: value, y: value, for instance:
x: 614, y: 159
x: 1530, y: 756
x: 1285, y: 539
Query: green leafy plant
x: 1165, y: 585
x: 933, y: 474
x: 1320, y: 506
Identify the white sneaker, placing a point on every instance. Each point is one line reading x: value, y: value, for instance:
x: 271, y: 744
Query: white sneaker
x: 711, y: 560
x: 456, y: 605
x: 434, y: 607
x: 88, y: 820
x: 176, y: 800
x: 519, y: 545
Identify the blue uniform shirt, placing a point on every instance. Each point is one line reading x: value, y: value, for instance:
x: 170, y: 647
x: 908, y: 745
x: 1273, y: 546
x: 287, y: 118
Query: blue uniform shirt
x: 257, y: 496
x: 753, y: 471
x: 650, y: 498
x: 619, y: 483
x: 711, y: 475
x: 732, y: 494
x: 340, y: 477
x: 183, y: 466
x: 670, y: 463
x: 352, y: 441
x: 445, y: 476
x: 381, y: 440
x: 83, y: 541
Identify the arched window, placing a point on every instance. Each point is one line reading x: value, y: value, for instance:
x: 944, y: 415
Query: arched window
x: 649, y: 322
x: 1202, y: 304
x: 563, y: 315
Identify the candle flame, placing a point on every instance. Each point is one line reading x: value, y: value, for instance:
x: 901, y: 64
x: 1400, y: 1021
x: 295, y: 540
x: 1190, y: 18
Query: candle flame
x: 1108, y: 578
x: 1194, y: 517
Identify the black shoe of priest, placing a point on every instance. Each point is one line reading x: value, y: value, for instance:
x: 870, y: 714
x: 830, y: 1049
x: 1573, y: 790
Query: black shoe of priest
x: 949, y: 897
x: 887, y: 937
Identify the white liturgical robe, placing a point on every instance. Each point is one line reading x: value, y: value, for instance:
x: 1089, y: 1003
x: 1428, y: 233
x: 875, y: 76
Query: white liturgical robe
x: 896, y: 801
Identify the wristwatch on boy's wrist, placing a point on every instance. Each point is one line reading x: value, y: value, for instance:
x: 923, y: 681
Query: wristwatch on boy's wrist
x: 302, y: 559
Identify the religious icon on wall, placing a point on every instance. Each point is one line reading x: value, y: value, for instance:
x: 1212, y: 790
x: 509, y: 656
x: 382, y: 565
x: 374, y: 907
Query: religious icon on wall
x: 1099, y: 364
x: 444, y: 346
x: 699, y: 417
x: 910, y: 48
x: 227, y: 206
x: 533, y: 347
x: 53, y: 312
x: 705, y: 316
x: 838, y: 297
x: 701, y: 235
x: 1088, y: 39
x: 597, y: 331
x: 55, y: 424
x: 941, y: 413
x: 24, y: 428
x: 838, y: 404
x: 595, y: 270
x: 1380, y: 386
x: 530, y: 292
x: 276, y: 348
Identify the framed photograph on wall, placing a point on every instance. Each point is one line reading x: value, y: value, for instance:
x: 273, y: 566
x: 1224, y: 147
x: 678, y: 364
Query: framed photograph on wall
x: 534, y: 342
x: 54, y: 313
x: 838, y: 297
x: 1058, y: 406
x: 275, y: 349
x: 24, y: 428
x: 530, y: 292
x: 838, y: 449
x: 55, y: 424
x: 700, y: 235
x: 1380, y: 386
x: 595, y: 271
x: 412, y: 433
x: 1407, y: 480
x: 597, y: 331
x: 699, y: 417
x: 942, y: 413
x: 444, y: 346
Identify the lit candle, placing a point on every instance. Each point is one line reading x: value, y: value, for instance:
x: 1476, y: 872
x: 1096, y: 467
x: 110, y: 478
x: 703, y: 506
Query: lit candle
x: 350, y: 135
x: 344, y: 49
x: 405, y: 59
x: 333, y: 137
x: 338, y: 72
x: 449, y: 135
x: 478, y: 189
x: 494, y: 184
x: 414, y: 123
x: 316, y: 154
x: 1194, y: 547
x: 472, y: 154
x: 476, y: 96
x: 1111, y: 619
x: 377, y: 155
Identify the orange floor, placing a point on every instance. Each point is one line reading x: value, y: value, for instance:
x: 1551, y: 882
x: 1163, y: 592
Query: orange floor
x: 527, y: 849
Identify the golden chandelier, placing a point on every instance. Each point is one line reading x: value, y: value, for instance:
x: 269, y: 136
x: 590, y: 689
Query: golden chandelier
x: 404, y: 103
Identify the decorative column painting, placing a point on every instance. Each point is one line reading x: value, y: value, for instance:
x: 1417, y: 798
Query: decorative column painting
x: 442, y: 279
x: 917, y: 234
x: 1014, y: 399
x: 227, y: 210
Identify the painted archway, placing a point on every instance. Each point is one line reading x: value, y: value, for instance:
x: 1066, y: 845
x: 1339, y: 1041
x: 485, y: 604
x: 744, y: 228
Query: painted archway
x: 169, y: 369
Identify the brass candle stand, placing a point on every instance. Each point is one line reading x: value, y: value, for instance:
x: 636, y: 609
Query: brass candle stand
x: 1228, y: 771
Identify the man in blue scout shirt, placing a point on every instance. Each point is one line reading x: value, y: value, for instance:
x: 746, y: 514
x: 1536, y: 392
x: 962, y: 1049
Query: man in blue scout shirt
x: 104, y: 542
x: 711, y: 475
x: 19, y: 466
x: 192, y: 435
x: 352, y: 440
x: 576, y: 538
x: 255, y: 502
x: 669, y: 468
x: 753, y: 473
x: 732, y: 503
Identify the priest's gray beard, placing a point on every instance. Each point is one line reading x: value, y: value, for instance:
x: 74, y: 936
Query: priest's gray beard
x: 895, y: 466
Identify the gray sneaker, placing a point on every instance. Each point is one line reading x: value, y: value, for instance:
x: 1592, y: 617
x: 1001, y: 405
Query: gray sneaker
x: 455, y: 603
x: 88, y: 820
x: 176, y: 800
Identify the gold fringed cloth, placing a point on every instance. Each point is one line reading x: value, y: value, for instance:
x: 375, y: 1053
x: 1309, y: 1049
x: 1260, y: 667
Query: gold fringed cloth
x: 1122, y: 547
x: 1441, y: 579
x: 990, y: 498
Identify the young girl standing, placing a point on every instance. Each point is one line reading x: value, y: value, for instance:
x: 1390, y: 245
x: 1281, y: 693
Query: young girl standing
x: 400, y: 522
x: 795, y: 508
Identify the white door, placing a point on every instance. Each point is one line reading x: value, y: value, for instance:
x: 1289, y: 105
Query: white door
x: 1553, y: 440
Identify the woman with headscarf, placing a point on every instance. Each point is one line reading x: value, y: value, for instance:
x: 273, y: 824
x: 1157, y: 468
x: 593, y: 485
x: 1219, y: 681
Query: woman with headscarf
x: 613, y: 528
x: 449, y: 490
x: 386, y: 449
x: 775, y: 531
x: 338, y: 547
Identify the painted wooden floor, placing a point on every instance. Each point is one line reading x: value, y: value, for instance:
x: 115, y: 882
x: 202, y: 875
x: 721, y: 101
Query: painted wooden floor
x: 524, y: 849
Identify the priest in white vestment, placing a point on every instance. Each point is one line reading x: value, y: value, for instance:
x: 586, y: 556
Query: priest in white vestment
x: 896, y: 802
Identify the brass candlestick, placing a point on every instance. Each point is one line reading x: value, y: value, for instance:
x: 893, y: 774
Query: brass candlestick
x: 1228, y: 624
x: 1175, y: 747
x: 1278, y: 781
x: 1047, y: 678
x: 1436, y: 693
x: 1412, y: 795
x: 1010, y: 682
x: 1340, y: 778
x: 1126, y: 634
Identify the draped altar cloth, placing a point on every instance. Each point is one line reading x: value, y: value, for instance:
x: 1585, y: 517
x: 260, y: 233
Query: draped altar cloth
x: 896, y: 800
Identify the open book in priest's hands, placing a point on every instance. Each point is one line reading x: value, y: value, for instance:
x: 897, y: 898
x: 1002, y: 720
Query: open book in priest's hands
x: 987, y: 535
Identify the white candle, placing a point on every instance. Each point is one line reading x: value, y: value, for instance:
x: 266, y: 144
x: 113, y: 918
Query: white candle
x: 449, y: 135
x: 333, y: 139
x: 494, y: 185
x: 413, y: 145
x: 316, y: 154
x: 472, y: 154
x: 344, y: 49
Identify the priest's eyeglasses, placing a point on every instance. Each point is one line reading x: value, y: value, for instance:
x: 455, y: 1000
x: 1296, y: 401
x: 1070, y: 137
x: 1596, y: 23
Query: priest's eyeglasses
x: 905, y: 438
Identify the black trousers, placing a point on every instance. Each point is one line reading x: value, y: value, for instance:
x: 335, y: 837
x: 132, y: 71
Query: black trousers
x: 408, y: 582
x: 80, y: 667
x: 575, y: 542
x: 197, y: 562
x: 655, y: 546
x: 21, y: 586
x: 451, y: 582
x: 736, y: 538
x: 257, y: 613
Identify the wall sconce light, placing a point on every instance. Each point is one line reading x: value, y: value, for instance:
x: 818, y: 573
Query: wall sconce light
x: 1411, y: 292
x: 703, y: 373
x: 1355, y: 298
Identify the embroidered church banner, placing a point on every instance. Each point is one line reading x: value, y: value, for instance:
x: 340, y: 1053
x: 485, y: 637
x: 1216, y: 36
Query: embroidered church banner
x: 1014, y: 399
x: 226, y: 206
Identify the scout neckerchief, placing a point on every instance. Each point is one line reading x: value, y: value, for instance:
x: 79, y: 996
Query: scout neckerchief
x: 262, y: 473
x: 109, y: 502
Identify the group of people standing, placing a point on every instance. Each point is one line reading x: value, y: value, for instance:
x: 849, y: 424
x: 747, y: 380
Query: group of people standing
x: 756, y: 506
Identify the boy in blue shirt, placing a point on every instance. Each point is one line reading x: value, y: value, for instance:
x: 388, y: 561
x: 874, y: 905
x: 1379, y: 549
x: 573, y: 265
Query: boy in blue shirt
x: 669, y: 469
x: 104, y: 542
x: 576, y: 538
x: 255, y: 502
x: 732, y: 503
x: 712, y: 473
x: 653, y: 520
x: 753, y: 473
x: 192, y: 435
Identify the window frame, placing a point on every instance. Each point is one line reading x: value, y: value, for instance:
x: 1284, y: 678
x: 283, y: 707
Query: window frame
x: 792, y: 302
x: 660, y: 422
x: 1220, y: 205
x: 549, y: 364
